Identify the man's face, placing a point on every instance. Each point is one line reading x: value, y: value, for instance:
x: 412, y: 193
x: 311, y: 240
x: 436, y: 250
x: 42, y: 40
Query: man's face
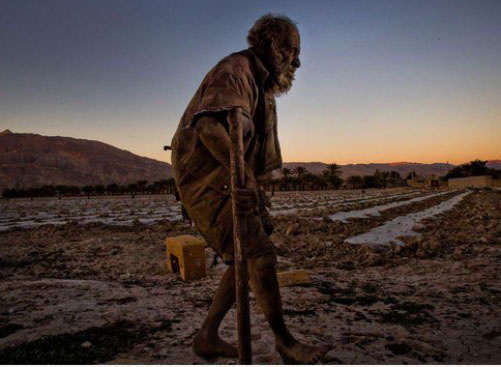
x: 284, y: 54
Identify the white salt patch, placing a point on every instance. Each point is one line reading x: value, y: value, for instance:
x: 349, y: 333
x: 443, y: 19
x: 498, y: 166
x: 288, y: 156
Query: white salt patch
x: 119, y: 210
x: 283, y: 212
x: 376, y: 210
x: 403, y: 225
x: 292, y: 209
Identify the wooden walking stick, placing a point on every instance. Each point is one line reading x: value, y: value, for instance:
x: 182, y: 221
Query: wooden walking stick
x: 239, y: 238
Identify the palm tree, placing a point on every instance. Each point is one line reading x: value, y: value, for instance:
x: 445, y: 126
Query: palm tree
x: 355, y: 181
x: 132, y: 189
x: 87, y: 189
x: 316, y: 182
x: 311, y: 181
x: 99, y: 189
x: 335, y: 181
x: 141, y: 185
x: 300, y: 171
x: 322, y: 182
x: 286, y: 172
x: 112, y: 188
x: 171, y: 185
x: 334, y: 169
x: 331, y: 175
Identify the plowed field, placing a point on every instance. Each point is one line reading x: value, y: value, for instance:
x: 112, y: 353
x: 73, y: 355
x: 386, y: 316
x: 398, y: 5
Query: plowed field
x: 84, y: 281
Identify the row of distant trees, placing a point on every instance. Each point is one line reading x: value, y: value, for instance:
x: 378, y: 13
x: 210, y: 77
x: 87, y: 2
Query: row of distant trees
x: 140, y: 187
x: 299, y: 179
x: 380, y: 179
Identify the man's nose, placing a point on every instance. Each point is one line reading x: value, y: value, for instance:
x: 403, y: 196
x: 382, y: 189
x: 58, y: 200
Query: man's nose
x: 296, y: 63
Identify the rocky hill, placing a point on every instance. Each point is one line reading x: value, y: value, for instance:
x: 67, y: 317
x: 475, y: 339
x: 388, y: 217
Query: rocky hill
x: 31, y: 160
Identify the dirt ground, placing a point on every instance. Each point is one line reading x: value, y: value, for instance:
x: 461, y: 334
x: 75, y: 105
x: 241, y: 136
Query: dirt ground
x: 96, y: 293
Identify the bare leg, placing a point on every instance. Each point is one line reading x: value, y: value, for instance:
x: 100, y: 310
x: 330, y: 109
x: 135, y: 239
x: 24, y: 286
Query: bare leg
x: 264, y: 284
x: 207, y: 342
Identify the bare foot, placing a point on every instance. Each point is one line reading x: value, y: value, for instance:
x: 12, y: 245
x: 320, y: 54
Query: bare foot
x: 207, y: 347
x: 300, y: 353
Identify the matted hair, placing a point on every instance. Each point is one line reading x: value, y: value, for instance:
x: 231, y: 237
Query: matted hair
x: 269, y: 26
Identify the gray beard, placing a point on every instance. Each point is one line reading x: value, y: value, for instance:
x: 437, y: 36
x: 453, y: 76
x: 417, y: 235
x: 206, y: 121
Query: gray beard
x: 282, y: 83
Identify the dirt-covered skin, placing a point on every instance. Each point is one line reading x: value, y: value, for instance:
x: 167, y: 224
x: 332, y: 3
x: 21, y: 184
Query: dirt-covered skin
x: 100, y: 294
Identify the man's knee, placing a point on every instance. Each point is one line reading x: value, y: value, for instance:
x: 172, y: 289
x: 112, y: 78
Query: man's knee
x: 263, y: 263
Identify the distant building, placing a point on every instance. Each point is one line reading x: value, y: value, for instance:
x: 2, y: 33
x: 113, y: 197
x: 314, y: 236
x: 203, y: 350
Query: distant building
x: 434, y: 181
x: 417, y: 182
x: 473, y: 181
x: 422, y: 182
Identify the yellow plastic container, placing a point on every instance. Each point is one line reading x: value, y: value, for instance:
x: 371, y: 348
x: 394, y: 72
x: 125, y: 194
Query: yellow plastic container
x: 186, y: 256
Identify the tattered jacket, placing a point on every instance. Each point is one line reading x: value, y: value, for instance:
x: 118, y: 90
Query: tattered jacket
x: 203, y: 182
x: 236, y: 81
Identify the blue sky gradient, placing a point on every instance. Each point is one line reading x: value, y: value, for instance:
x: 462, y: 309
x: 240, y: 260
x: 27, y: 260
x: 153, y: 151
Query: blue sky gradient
x: 381, y: 81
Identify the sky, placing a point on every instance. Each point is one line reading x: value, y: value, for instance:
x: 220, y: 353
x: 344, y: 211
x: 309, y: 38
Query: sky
x: 380, y: 81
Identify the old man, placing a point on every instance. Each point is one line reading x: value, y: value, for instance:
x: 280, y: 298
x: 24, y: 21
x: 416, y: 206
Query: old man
x: 248, y: 80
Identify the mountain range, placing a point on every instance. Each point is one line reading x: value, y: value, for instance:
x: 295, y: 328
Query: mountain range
x: 31, y: 160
